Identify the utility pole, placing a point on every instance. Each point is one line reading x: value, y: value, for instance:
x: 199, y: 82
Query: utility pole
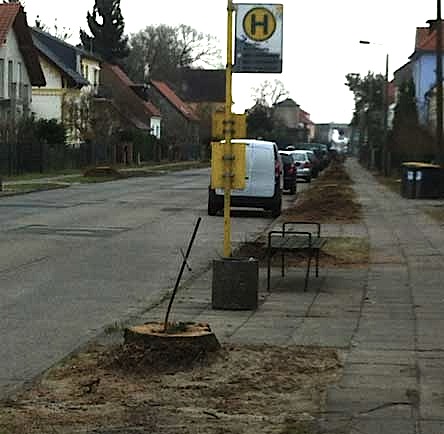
x: 228, y: 151
x: 439, y: 89
x: 385, y: 161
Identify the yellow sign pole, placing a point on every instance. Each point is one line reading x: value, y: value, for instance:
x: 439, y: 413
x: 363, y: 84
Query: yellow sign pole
x: 228, y: 151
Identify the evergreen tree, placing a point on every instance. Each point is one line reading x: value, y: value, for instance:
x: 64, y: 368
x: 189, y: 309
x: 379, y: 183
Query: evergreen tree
x: 106, y: 25
x: 406, y: 111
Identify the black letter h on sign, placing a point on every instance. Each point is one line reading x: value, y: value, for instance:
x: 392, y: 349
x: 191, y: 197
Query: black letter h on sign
x: 255, y: 24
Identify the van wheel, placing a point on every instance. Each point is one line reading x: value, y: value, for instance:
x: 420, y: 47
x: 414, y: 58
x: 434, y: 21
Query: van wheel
x: 277, y: 208
x: 212, y: 203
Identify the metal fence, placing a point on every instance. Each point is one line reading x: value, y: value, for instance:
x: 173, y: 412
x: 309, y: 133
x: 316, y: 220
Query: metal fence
x: 16, y: 159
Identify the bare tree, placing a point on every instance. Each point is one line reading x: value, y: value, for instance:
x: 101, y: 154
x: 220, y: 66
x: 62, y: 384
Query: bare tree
x: 269, y: 93
x: 162, y: 50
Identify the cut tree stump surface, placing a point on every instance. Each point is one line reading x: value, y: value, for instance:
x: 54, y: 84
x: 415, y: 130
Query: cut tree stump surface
x: 181, y: 337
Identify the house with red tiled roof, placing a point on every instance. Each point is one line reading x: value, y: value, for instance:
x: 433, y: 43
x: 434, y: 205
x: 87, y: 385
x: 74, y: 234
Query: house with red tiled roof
x: 133, y: 111
x: 180, y: 123
x: 19, y: 65
x: 144, y: 115
x: 295, y: 121
x: 308, y: 124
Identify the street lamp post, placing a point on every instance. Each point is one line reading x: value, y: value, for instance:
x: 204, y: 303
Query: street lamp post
x: 384, y: 161
x: 439, y: 89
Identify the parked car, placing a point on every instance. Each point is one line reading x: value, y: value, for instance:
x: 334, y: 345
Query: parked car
x: 315, y: 164
x: 303, y: 163
x: 290, y: 176
x: 263, y: 184
x: 320, y: 151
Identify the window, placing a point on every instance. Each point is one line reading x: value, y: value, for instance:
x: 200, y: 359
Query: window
x: 96, y: 77
x: 19, y: 79
x: 2, y: 78
x: 86, y: 72
x: 11, y: 88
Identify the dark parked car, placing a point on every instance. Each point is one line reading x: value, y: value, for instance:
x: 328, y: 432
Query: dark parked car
x: 290, y: 171
x: 320, y: 150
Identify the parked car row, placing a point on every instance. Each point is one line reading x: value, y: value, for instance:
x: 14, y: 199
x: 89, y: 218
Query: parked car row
x: 269, y: 171
x: 304, y: 160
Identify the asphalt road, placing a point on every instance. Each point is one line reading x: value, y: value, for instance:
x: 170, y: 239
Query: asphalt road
x: 74, y: 261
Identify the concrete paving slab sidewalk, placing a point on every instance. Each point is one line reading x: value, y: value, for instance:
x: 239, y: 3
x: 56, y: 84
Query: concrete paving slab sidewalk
x: 386, y: 319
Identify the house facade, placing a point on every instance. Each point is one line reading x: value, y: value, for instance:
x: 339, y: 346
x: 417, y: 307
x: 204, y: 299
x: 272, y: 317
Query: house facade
x: 423, y: 68
x: 131, y: 99
x: 180, y: 123
x: 288, y: 112
x: 297, y: 123
x: 126, y: 103
x: 19, y: 65
x: 72, y: 78
x: 204, y: 91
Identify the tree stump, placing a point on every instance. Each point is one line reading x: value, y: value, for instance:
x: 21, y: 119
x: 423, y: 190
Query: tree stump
x: 182, y: 344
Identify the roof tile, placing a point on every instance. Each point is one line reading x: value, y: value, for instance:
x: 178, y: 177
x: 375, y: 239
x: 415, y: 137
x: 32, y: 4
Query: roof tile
x: 8, y: 12
x: 181, y: 106
x: 426, y: 39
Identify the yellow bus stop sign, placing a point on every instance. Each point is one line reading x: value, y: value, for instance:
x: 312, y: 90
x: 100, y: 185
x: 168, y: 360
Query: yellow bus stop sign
x: 259, y: 24
x: 239, y: 166
x: 238, y: 128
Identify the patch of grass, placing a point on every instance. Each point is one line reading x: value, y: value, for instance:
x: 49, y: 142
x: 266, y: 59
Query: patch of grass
x: 80, y: 179
x: 347, y: 250
x: 391, y: 182
x: 116, y: 327
x: 436, y: 212
x: 337, y: 252
x: 28, y: 188
x: 38, y: 175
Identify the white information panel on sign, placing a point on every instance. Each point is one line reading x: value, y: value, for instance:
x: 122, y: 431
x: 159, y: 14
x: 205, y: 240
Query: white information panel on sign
x: 258, y: 46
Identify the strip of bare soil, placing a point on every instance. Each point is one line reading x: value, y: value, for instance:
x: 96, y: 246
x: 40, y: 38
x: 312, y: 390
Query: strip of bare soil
x: 331, y: 199
x: 248, y: 390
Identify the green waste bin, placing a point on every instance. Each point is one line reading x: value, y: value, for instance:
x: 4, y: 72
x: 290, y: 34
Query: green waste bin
x: 408, y: 181
x: 429, y: 181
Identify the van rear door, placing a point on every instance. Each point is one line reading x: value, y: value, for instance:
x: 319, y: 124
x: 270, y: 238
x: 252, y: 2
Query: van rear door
x: 262, y: 177
x: 249, y: 187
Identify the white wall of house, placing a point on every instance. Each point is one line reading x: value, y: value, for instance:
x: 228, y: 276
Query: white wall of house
x: 288, y: 115
x: 56, y: 101
x: 90, y: 69
x: 13, y: 68
x: 155, y: 126
x: 47, y: 101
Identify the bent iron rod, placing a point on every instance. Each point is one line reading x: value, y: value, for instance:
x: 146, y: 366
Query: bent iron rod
x: 182, y: 268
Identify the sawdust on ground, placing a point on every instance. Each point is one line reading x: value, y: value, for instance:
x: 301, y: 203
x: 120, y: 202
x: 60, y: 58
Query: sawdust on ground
x: 241, y: 389
x: 330, y: 199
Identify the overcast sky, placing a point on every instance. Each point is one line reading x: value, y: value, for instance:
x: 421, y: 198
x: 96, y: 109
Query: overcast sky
x: 321, y: 40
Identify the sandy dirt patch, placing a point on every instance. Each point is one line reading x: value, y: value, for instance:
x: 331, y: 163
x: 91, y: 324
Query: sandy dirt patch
x: 240, y: 389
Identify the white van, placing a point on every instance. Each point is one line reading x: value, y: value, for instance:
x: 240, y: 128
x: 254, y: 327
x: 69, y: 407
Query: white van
x: 264, y: 180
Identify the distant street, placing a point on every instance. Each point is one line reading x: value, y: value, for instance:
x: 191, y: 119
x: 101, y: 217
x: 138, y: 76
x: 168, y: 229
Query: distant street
x: 75, y: 260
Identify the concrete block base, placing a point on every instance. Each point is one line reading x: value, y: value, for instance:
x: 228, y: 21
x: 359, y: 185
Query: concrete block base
x: 235, y: 284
